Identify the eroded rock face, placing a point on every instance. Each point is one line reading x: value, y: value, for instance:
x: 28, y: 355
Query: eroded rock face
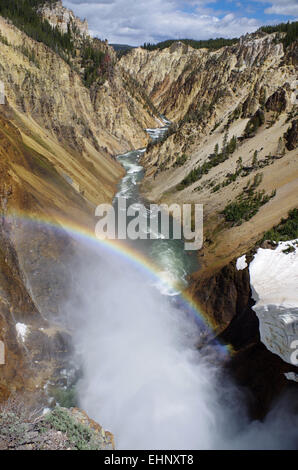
x: 180, y: 77
x: 291, y: 136
x: 292, y: 53
x: 78, y: 130
x: 277, y: 101
x: 223, y: 295
x: 260, y: 336
x: 199, y: 89
x: 62, y: 18
x: 33, y: 349
x: 35, y: 262
x: 57, y: 145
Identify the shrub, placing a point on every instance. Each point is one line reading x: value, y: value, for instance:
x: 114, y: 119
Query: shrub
x: 287, y: 229
x: 214, y: 160
x: 216, y: 188
x: 247, y: 203
x: 82, y: 437
x: 3, y: 39
x: 254, y: 123
x: 181, y: 160
x: 67, y: 398
x: 15, y: 419
x: 13, y: 428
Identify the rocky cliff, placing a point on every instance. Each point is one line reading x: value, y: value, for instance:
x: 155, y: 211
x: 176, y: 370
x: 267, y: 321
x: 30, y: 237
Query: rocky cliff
x: 234, y: 112
x: 232, y: 146
x: 58, y: 140
x: 64, y: 19
x: 50, y: 103
x: 274, y: 277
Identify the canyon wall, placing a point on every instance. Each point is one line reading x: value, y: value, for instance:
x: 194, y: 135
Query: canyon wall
x: 233, y: 140
x: 234, y: 113
x: 58, y: 141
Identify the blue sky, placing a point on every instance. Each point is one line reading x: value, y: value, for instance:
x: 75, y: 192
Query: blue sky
x: 137, y: 21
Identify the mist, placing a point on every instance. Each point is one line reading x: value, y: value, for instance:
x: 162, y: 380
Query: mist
x: 144, y: 378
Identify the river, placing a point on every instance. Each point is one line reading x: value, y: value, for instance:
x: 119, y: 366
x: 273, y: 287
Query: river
x: 173, y: 261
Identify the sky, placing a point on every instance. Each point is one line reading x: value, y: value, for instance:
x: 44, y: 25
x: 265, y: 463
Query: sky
x: 137, y: 21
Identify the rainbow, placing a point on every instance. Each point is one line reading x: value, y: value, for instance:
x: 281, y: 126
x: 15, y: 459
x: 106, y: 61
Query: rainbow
x: 117, y: 247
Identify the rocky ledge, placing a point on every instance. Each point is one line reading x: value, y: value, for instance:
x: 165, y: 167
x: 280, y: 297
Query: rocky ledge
x: 274, y: 280
x: 58, y: 429
x: 253, y: 303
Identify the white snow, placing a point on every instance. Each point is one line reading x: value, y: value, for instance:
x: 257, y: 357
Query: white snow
x: 274, y: 275
x: 22, y: 331
x: 274, y: 282
x: 241, y: 263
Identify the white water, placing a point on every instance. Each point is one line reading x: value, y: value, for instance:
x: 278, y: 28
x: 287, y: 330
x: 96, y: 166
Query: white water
x: 144, y: 379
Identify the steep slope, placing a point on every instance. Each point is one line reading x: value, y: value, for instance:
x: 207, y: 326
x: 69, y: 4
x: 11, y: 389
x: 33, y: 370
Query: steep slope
x: 58, y: 139
x: 30, y: 185
x: 232, y: 147
x: 51, y: 103
x: 234, y: 114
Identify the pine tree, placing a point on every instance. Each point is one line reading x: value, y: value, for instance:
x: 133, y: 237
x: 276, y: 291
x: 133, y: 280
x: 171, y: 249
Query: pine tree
x: 255, y: 159
x: 225, y: 141
x: 239, y: 165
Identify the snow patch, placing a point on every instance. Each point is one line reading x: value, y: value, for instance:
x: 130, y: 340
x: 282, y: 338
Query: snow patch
x: 274, y: 282
x: 241, y: 263
x: 274, y: 275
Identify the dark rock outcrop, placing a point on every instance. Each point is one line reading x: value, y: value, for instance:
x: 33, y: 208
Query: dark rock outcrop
x: 292, y: 53
x: 261, y: 373
x: 225, y: 297
x: 277, y: 101
x: 291, y: 136
x: 224, y: 294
